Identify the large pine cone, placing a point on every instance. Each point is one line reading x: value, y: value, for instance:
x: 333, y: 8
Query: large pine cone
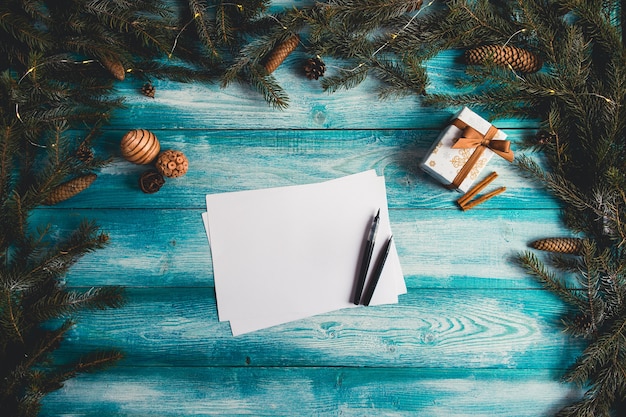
x: 569, y: 245
x: 114, y: 66
x: 519, y: 59
x: 69, y: 189
x: 280, y: 52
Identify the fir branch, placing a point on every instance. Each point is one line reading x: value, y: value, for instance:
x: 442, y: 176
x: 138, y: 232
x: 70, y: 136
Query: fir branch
x: 347, y: 79
x: 537, y: 269
x: 8, y: 147
x: 590, y: 279
x: 61, y: 303
x: 600, y: 355
x: 602, y: 31
x: 11, y: 317
x: 559, y: 186
x: 268, y: 87
x: 17, y: 24
x: 224, y: 27
x: 400, y: 78
x: 204, y: 26
x: 368, y: 14
x: 95, y: 361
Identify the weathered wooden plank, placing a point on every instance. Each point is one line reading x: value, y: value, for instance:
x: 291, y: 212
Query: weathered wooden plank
x: 310, y: 391
x: 222, y: 161
x: 208, y: 106
x: 429, y: 328
x: 437, y: 248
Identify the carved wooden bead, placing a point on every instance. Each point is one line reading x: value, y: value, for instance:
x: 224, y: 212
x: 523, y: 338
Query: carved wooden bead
x: 172, y: 164
x: 140, y: 146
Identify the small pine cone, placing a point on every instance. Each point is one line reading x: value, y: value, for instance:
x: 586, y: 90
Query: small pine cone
x: 172, y: 164
x: 314, y: 68
x: 103, y: 238
x: 568, y: 245
x: 148, y: 90
x: 114, y: 66
x: 84, y: 153
x: 69, y: 189
x: 544, y: 137
x: 413, y: 5
x: 280, y: 52
x: 519, y: 59
x: 151, y: 181
x: 582, y: 325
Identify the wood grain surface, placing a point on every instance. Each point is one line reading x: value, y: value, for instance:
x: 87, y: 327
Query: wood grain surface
x: 474, y: 336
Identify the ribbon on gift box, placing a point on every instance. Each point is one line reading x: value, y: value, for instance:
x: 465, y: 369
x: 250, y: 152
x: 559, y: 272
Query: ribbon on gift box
x: 472, y: 138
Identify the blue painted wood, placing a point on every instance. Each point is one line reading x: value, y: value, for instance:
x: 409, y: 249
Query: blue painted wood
x: 209, y: 106
x: 474, y: 336
x: 234, y: 160
x: 168, y: 247
x: 428, y: 329
x: 311, y: 391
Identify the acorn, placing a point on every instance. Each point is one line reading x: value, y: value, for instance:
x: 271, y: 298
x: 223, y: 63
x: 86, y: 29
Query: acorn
x: 140, y: 146
x: 172, y: 164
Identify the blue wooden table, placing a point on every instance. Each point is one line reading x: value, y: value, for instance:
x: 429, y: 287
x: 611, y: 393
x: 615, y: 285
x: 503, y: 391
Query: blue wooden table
x: 474, y: 336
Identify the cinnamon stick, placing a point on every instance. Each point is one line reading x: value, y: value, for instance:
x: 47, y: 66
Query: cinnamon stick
x: 482, y: 198
x: 476, y: 189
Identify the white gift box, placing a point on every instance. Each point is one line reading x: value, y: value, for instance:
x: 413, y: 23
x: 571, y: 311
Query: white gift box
x: 444, y: 162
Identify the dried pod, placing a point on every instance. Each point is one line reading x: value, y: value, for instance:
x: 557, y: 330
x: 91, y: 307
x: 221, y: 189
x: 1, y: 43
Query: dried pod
x: 140, y: 146
x: 69, y: 189
x: 151, y: 181
x: 172, y: 164
x: 568, y: 245
x: 280, y: 52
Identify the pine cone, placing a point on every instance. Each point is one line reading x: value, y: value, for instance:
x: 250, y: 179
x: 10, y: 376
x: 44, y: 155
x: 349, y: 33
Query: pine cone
x: 114, y: 66
x: 148, y: 90
x: 519, y: 59
x: 69, y: 189
x: 314, y: 68
x: 582, y: 325
x: 569, y: 245
x: 84, y: 153
x: 544, y: 137
x: 151, y: 181
x: 280, y: 52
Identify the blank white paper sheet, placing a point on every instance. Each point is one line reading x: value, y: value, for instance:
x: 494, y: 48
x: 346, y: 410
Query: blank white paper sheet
x: 287, y: 253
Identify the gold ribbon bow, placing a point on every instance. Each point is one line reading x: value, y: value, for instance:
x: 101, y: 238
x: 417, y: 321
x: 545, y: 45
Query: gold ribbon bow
x: 472, y: 138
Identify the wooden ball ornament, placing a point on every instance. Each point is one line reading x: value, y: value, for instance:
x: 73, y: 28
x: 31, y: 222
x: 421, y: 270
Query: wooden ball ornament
x: 140, y: 146
x: 172, y: 164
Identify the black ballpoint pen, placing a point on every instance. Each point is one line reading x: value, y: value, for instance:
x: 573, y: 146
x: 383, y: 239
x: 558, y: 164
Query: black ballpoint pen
x: 365, y: 259
x: 380, y: 264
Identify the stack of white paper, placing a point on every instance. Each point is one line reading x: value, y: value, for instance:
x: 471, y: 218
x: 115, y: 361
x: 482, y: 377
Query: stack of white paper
x: 283, y: 254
